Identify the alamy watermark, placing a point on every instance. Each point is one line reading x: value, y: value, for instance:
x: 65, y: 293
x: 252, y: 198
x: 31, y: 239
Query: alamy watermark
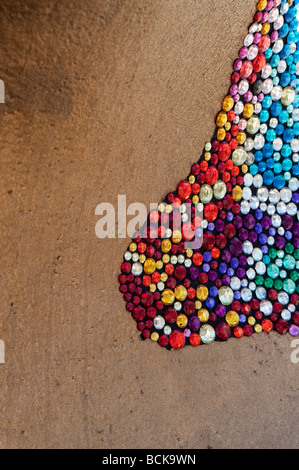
x: 181, y: 221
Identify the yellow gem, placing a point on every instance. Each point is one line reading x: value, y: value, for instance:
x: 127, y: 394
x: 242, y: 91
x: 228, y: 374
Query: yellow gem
x: 241, y: 137
x: 191, y: 179
x: 258, y: 328
x: 251, y: 321
x: 154, y: 336
x: 161, y: 207
x: 168, y: 209
x: 198, y: 304
x: 261, y: 5
x: 265, y: 29
x: 221, y: 119
x: 195, y: 199
x: 244, y: 168
x: 182, y: 321
x: 227, y: 126
x: 163, y: 277
x: 166, y: 245
x: 221, y: 134
x: 232, y: 318
x: 167, y: 297
x: 248, y: 110
x: 189, y: 253
x: 207, y: 156
x: 180, y: 293
x: 228, y: 103
x: 237, y: 193
x: 176, y: 236
x: 159, y: 264
x: 202, y: 292
x: 165, y: 259
x: 203, y: 315
x: 149, y: 266
x: 142, y: 258
x: 133, y: 246
x: 152, y: 287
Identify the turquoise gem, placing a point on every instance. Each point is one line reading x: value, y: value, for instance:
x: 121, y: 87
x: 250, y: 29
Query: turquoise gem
x: 289, y: 262
x: 289, y: 286
x: 273, y: 271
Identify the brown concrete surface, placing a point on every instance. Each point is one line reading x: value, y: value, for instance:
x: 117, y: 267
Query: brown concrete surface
x: 111, y: 97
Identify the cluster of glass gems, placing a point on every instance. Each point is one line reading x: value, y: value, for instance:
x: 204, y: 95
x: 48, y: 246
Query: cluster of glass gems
x: 244, y: 277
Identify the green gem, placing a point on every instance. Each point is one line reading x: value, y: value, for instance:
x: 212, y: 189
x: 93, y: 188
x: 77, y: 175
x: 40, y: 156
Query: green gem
x: 278, y: 284
x: 259, y: 280
x: 296, y: 254
x: 294, y: 275
x: 289, y: 248
x: 272, y: 253
x: 269, y: 283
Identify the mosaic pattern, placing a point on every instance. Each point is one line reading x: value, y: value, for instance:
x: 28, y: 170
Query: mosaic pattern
x: 244, y: 277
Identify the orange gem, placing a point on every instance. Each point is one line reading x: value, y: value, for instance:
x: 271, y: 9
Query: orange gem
x: 146, y: 280
x: 156, y: 277
x: 177, y: 339
x: 194, y: 339
x: 169, y: 268
x: 267, y: 325
x: 215, y: 252
x: 238, y: 332
x: 191, y: 293
x: 197, y: 259
x: 210, y: 212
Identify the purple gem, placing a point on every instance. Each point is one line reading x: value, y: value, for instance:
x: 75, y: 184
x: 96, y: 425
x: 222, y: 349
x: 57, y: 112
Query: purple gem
x: 194, y: 323
x: 280, y: 242
x: 249, y: 221
x: 243, y: 234
x: 235, y: 246
x: 252, y: 237
x: 294, y: 330
x: 226, y: 280
x: 220, y: 310
x: 193, y: 273
x: 212, y: 275
x: 266, y: 222
x: 240, y: 273
x: 219, y: 225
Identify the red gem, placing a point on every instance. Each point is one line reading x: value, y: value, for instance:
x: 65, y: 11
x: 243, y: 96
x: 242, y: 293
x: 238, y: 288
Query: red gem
x: 138, y: 313
x: 151, y: 312
x: 208, y: 241
x: 295, y: 318
x: 177, y: 339
x: 224, y: 152
x: 188, y: 307
x: 211, y: 175
x: 222, y: 331
x: 163, y: 340
x: 220, y: 240
x: 184, y: 189
x: 147, y: 299
x: 170, y: 315
x: 146, y: 333
x: 229, y: 231
x: 180, y: 273
x: 282, y: 327
x: 259, y: 62
x: 126, y: 267
x: 246, y: 69
x: 264, y: 43
x: 247, y: 330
